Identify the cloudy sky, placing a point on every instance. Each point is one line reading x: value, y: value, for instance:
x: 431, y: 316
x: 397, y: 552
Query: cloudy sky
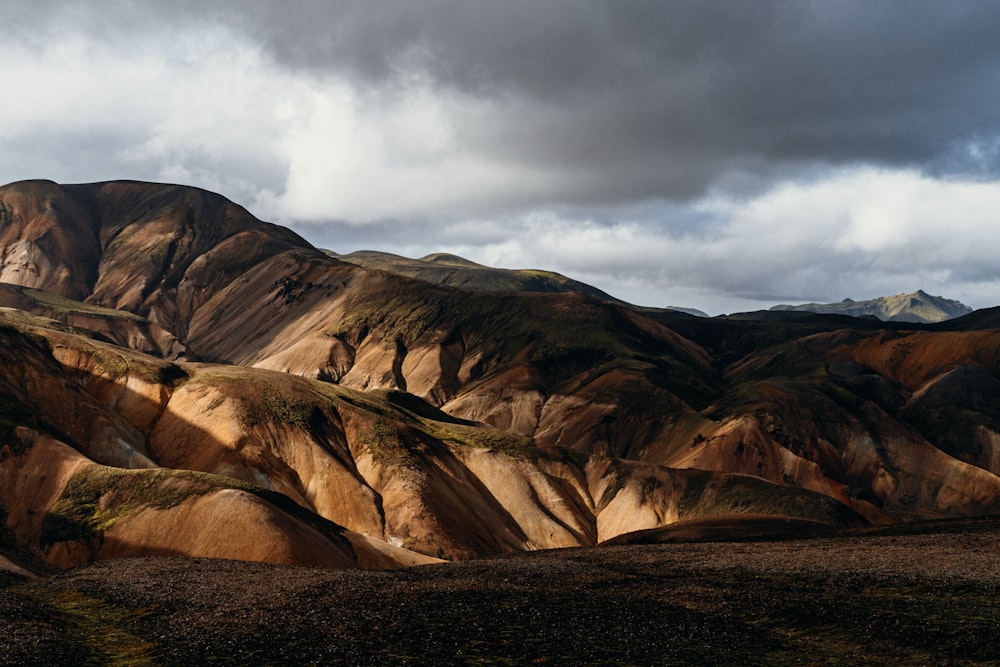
x: 719, y: 155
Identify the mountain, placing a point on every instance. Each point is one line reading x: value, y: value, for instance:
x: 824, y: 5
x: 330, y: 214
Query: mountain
x: 688, y: 311
x: 169, y: 359
x: 916, y: 307
x: 455, y: 271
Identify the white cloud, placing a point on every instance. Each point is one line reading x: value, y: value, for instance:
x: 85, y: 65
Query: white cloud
x: 561, y: 156
x: 861, y: 233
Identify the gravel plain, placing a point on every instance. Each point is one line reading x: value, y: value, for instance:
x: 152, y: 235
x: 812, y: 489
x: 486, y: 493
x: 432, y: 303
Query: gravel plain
x: 915, y: 596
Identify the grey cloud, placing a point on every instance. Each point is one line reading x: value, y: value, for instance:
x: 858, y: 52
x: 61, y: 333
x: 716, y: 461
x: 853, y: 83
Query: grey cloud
x: 647, y: 99
x: 682, y: 88
x: 593, y: 111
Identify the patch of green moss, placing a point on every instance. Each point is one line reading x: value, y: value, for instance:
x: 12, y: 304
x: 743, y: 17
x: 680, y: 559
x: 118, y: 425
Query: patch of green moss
x: 383, y: 441
x: 576, y: 458
x: 744, y: 494
x: 270, y: 406
x: 18, y: 317
x: 416, y: 412
x: 261, y: 401
x: 62, y: 306
x: 98, y: 496
x: 102, y: 629
x: 110, y: 363
x: 481, y: 437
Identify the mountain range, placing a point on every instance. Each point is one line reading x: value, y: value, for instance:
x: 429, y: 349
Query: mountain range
x: 180, y: 378
x: 916, y: 307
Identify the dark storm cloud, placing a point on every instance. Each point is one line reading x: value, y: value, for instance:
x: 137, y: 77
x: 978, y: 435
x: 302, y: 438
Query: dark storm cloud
x: 770, y: 150
x: 650, y: 99
x: 671, y: 95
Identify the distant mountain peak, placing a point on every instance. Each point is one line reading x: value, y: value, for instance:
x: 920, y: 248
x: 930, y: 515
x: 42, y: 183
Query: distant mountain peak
x: 688, y: 311
x: 917, y: 306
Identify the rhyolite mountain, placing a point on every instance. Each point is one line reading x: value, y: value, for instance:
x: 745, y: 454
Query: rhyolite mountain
x: 179, y: 377
x: 454, y: 271
x: 916, y: 307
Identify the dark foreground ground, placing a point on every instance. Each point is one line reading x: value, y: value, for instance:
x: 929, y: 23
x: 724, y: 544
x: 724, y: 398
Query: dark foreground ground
x: 923, y: 598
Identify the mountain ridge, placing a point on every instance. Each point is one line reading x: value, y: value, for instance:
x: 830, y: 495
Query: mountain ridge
x: 454, y: 271
x: 428, y: 420
x: 917, y: 306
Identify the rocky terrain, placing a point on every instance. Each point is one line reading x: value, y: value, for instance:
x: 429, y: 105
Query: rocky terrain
x: 905, y: 597
x: 180, y: 378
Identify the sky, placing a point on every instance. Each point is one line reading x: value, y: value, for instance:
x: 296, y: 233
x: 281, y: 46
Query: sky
x: 720, y: 155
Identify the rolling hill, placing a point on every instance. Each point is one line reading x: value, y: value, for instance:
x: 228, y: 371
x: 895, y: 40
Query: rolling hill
x: 169, y: 359
x: 454, y: 271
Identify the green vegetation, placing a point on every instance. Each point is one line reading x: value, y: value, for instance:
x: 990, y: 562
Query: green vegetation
x: 62, y: 306
x: 400, y: 418
x: 116, y: 363
x: 386, y: 447
x: 270, y: 406
x: 571, y: 457
x: 109, y: 362
x: 98, y: 496
x: 19, y: 340
x: 481, y: 437
x: 858, y: 618
x: 261, y: 401
x: 696, y: 483
x: 22, y: 318
x: 710, y: 494
x: 102, y: 629
x: 560, y: 336
x: 417, y: 413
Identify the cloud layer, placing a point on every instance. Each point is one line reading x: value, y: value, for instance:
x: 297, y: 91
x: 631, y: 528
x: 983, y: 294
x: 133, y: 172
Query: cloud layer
x: 718, y: 155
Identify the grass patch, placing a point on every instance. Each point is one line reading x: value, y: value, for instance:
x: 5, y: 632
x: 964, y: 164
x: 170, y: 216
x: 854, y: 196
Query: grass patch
x: 571, y: 457
x: 479, y: 437
x: 416, y: 412
x: 20, y: 341
x: 98, y: 496
x: 261, y: 401
x: 62, y: 306
x: 385, y: 446
x: 19, y: 317
x: 110, y: 363
x: 101, y: 628
x: 270, y: 406
x: 708, y: 494
x: 693, y: 491
x: 117, y: 363
x: 7, y: 540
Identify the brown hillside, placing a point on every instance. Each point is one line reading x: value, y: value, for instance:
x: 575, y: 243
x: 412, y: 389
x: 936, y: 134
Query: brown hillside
x: 164, y: 328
